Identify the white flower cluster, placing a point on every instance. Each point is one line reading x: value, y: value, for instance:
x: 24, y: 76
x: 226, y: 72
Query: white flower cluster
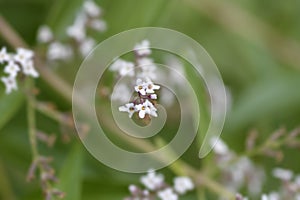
x: 240, y: 173
x: 157, y: 188
x: 89, y: 17
x: 143, y: 103
x: 146, y: 67
x: 22, y: 61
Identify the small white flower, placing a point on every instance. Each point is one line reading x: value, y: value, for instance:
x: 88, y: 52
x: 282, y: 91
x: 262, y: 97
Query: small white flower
x: 143, y: 109
x: 142, y: 49
x: 150, y: 87
x: 183, y: 184
x: 153, y: 96
x: 148, y: 68
x: 264, y: 197
x: 133, y: 189
x: 116, y: 65
x: 76, y: 31
x: 23, y: 55
x: 121, y: 93
x: 146, y: 193
x: 146, y: 63
x: 129, y: 107
x: 167, y: 194
x: 127, y: 69
x: 123, y: 67
x: 152, y: 108
x: 98, y: 25
x: 29, y: 69
x: 4, y: 56
x: 282, y: 174
x: 59, y: 51
x: 12, y: 69
x: 219, y: 146
x: 86, y: 46
x: 10, y: 84
x: 44, y: 34
x: 91, y: 8
x: 152, y: 180
x: 140, y: 87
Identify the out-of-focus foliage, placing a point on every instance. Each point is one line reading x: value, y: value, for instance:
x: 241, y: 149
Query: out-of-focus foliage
x: 264, y: 88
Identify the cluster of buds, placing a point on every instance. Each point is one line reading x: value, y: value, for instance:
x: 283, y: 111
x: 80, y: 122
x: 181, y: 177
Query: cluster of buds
x: 21, y: 61
x: 238, y: 171
x: 47, y: 177
x: 144, y: 102
x: 88, y: 18
x: 155, y: 187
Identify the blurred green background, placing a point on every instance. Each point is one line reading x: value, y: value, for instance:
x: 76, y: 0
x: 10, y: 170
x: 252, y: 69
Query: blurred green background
x: 255, y: 44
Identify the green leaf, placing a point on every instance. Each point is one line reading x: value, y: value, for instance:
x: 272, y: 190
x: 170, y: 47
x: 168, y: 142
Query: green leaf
x: 270, y: 98
x: 9, y: 105
x: 70, y: 174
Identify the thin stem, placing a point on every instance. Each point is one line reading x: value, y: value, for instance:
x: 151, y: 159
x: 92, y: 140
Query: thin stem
x: 31, y: 122
x: 10, y: 35
x: 61, y: 118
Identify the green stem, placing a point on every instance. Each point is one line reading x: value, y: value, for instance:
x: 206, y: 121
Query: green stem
x: 31, y: 121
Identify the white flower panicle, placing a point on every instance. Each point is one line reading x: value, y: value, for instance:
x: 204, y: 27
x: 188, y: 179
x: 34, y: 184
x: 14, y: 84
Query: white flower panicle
x: 157, y: 188
x: 143, y: 103
x: 88, y: 18
x: 21, y: 61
